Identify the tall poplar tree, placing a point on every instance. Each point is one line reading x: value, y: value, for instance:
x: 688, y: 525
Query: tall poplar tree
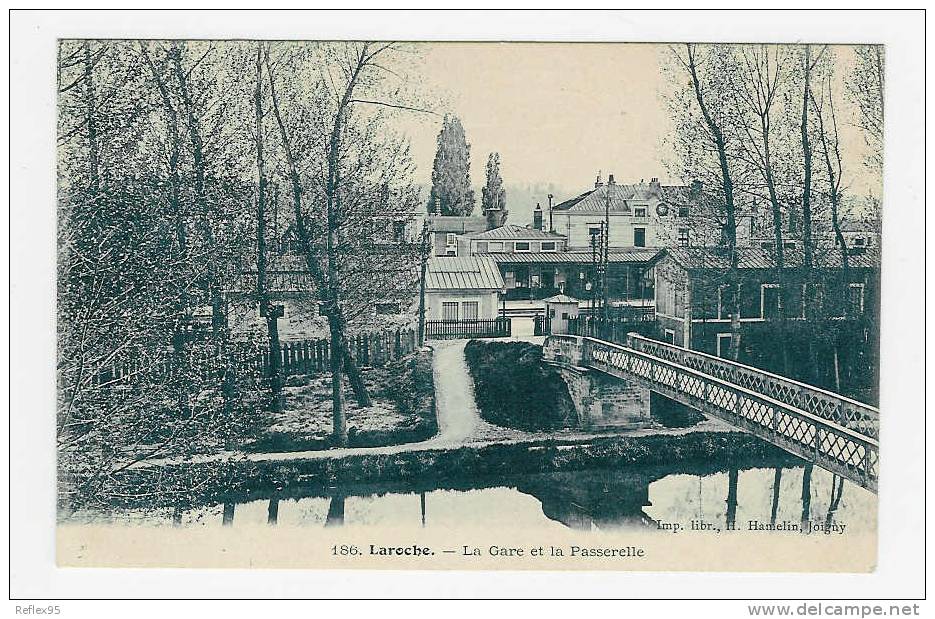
x: 493, y: 195
x: 451, y: 172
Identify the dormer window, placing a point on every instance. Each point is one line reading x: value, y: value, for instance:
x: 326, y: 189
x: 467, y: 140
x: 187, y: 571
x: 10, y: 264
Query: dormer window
x: 639, y: 211
x: 521, y: 246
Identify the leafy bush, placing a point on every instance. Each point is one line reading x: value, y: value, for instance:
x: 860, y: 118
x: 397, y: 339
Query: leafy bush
x: 514, y: 388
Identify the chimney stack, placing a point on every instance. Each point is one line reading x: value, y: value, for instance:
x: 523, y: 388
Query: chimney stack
x: 598, y: 182
x: 537, y: 217
x: 610, y: 180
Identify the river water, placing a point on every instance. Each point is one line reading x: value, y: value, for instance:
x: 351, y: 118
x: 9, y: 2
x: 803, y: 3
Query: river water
x: 608, y: 499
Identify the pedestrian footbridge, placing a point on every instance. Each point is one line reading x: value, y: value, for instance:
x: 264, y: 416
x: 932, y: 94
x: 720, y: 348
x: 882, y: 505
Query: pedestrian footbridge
x: 834, y: 432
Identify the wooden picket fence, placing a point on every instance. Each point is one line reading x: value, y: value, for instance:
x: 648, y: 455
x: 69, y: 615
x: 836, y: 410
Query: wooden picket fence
x: 297, y: 358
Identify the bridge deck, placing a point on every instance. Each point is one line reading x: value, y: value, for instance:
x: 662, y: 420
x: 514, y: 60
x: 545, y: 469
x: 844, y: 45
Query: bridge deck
x: 835, y: 432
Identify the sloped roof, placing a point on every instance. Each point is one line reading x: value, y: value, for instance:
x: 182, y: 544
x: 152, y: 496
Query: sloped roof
x: 458, y: 224
x: 693, y: 258
x: 561, y: 298
x: 455, y: 273
x: 621, y: 196
x: 636, y: 255
x: 513, y: 231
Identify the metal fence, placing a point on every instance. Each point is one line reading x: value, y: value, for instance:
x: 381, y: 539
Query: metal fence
x: 463, y: 329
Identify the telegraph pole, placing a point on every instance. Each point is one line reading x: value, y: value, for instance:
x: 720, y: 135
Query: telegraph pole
x: 605, y: 252
x: 424, y: 256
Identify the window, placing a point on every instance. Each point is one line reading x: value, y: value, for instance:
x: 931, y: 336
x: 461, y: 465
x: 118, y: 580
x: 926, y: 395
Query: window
x: 683, y: 211
x: 399, y: 231
x: 451, y: 239
x: 639, y: 211
x: 723, y: 345
x: 788, y: 244
x: 564, y: 315
x: 855, y: 299
x: 670, y: 336
x: 481, y: 247
x: 522, y: 246
x: 522, y: 277
x: 548, y: 245
x: 725, y: 302
x: 469, y: 309
x: 387, y: 308
x: 495, y: 247
x: 683, y: 237
x: 534, y: 281
x: 581, y: 275
x: 859, y: 240
x: 769, y: 301
x: 450, y: 310
x: 451, y: 251
x: 639, y: 237
x: 594, y: 230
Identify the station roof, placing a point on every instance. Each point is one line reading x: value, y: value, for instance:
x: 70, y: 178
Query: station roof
x: 513, y: 231
x: 697, y: 258
x: 634, y: 255
x: 469, y: 273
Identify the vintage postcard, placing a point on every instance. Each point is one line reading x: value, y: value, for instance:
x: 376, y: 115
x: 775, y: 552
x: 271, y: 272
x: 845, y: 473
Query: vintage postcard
x: 451, y: 305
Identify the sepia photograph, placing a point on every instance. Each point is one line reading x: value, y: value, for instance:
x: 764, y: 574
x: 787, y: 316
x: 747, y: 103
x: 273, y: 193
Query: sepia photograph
x: 383, y: 303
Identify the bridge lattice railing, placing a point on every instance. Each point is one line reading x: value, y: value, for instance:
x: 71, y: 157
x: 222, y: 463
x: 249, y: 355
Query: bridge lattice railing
x: 857, y: 416
x: 829, y: 444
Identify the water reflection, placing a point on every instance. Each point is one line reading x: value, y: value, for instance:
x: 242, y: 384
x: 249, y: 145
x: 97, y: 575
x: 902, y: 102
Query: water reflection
x: 582, y: 500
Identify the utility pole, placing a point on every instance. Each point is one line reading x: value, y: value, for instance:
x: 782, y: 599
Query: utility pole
x: 424, y: 256
x: 605, y: 250
x: 550, y: 212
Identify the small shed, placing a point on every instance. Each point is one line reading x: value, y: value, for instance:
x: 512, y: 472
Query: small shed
x: 558, y: 311
x: 462, y: 289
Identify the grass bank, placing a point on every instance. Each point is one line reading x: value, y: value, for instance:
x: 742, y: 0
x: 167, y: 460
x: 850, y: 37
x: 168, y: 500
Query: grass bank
x: 403, y: 411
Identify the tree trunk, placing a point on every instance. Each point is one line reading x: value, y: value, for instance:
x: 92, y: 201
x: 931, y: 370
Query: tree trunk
x: 270, y: 313
x: 730, y: 227
x: 339, y: 419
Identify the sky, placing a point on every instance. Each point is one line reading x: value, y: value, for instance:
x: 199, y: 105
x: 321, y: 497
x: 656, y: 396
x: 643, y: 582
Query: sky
x: 557, y: 113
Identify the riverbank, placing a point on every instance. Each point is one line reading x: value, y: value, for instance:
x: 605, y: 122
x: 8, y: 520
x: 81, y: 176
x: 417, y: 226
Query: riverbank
x: 262, y: 475
x: 403, y: 410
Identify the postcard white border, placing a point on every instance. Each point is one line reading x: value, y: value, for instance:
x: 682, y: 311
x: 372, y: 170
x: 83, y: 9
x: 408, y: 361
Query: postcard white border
x: 900, y: 572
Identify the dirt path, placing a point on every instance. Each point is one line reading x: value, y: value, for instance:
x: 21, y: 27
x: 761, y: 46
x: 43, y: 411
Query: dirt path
x: 455, y: 406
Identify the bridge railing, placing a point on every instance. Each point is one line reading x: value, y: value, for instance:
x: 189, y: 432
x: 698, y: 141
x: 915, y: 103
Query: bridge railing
x: 828, y: 405
x: 829, y: 444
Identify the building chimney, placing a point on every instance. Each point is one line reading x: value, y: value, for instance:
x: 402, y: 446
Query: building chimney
x: 696, y: 187
x: 537, y: 217
x: 598, y: 182
x: 610, y: 180
x: 495, y: 218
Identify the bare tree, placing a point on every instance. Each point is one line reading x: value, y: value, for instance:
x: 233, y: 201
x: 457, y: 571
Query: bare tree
x: 866, y: 88
x: 270, y: 312
x: 706, y: 150
x: 359, y: 171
